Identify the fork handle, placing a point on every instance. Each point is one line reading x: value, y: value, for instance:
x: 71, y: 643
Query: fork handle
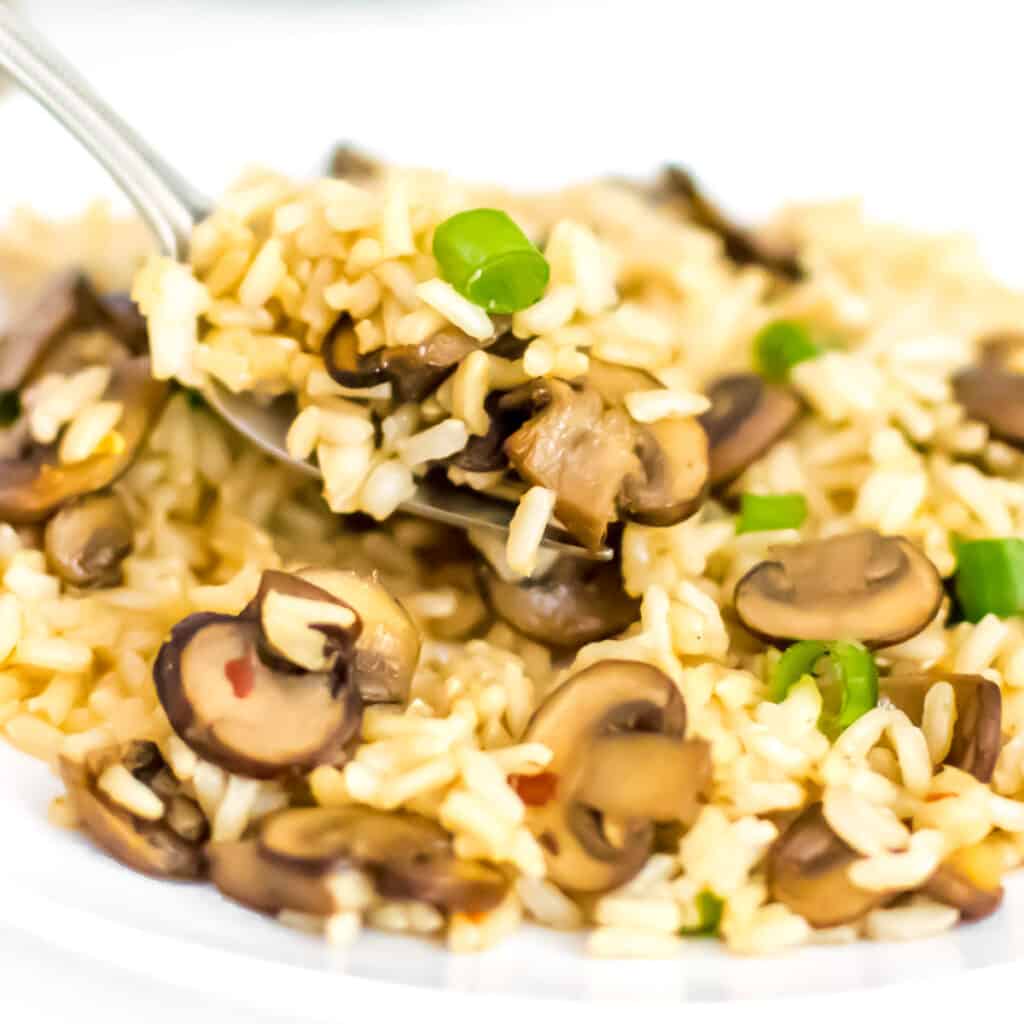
x: 165, y: 201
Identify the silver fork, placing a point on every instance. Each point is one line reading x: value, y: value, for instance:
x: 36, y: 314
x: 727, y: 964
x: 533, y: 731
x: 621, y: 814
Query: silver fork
x: 171, y: 208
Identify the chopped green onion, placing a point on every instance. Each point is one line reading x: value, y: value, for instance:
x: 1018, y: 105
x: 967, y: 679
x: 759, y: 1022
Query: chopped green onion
x: 10, y: 407
x: 709, y: 911
x: 780, y: 345
x: 486, y: 257
x: 990, y: 577
x: 771, y: 512
x: 854, y: 665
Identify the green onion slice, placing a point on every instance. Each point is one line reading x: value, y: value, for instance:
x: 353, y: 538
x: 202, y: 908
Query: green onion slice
x: 853, y: 664
x: 780, y: 345
x: 771, y: 512
x: 990, y: 577
x: 486, y: 257
x: 709, y: 910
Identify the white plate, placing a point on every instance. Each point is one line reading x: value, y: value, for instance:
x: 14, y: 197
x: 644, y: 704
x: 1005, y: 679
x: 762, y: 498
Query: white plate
x: 761, y: 99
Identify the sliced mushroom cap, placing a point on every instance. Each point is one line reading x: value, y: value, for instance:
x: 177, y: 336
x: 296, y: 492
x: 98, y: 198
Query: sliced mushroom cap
x: 300, y: 623
x: 573, y: 603
x: 977, y: 732
x: 388, y: 649
x: 970, y: 879
x: 240, y: 872
x: 680, y: 188
x: 857, y: 586
x: 88, y: 539
x: 415, y: 371
x: 994, y: 395
x: 408, y: 857
x: 807, y: 871
x: 67, y: 303
x: 34, y: 483
x: 578, y: 449
x: 595, y: 821
x: 348, y: 161
x: 485, y: 453
x: 672, y: 479
x: 150, y: 847
x: 747, y: 416
x: 236, y: 711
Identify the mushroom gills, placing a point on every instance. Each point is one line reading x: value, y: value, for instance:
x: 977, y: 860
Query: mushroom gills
x: 572, y: 604
x: 858, y: 586
x: 88, y: 539
x: 807, y: 871
x: 150, y: 847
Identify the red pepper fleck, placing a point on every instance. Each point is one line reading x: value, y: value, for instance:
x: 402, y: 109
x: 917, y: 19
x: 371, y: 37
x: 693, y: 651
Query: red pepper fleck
x: 535, y: 790
x: 240, y: 675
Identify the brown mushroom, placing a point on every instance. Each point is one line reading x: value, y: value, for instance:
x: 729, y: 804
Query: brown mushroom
x: 574, y: 603
x: 236, y: 711
x: 807, y: 870
x: 300, y: 851
x: 88, y: 539
x: 672, y: 478
x: 388, y: 647
x: 620, y: 763
x: 408, y: 857
x: 578, y: 449
x: 485, y: 453
x: 747, y: 416
x: 34, y: 484
x: 680, y: 189
x: 856, y: 586
x: 151, y: 847
x: 970, y: 879
x: 414, y: 371
x: 350, y: 162
x: 994, y: 395
x: 977, y: 733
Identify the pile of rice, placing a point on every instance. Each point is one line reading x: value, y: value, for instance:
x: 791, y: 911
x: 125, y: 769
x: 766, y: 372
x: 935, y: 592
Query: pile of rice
x: 885, y: 446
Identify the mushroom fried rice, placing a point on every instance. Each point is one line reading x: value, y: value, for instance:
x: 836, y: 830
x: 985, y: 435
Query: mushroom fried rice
x: 785, y: 712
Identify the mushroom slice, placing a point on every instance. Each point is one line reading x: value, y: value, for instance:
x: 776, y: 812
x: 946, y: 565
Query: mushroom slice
x: 408, y: 857
x: 970, y: 879
x: 677, y: 775
x: 573, y: 603
x: 977, y: 733
x: 348, y: 161
x: 807, y: 871
x: 415, y: 371
x: 241, y: 873
x: 743, y: 247
x: 66, y: 304
x: 578, y: 449
x: 34, y: 484
x: 672, y: 480
x: 302, y: 624
x: 388, y: 648
x: 856, y: 586
x: 485, y: 453
x: 146, y: 846
x: 747, y: 416
x: 88, y: 539
x: 994, y: 395
x: 589, y: 723
x: 236, y: 711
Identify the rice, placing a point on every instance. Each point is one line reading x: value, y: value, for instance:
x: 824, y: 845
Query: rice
x: 885, y: 445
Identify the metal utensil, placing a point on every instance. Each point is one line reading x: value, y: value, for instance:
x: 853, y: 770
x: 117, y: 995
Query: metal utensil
x: 171, y: 207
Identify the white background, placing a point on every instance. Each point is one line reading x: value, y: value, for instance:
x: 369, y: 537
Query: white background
x: 916, y: 105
